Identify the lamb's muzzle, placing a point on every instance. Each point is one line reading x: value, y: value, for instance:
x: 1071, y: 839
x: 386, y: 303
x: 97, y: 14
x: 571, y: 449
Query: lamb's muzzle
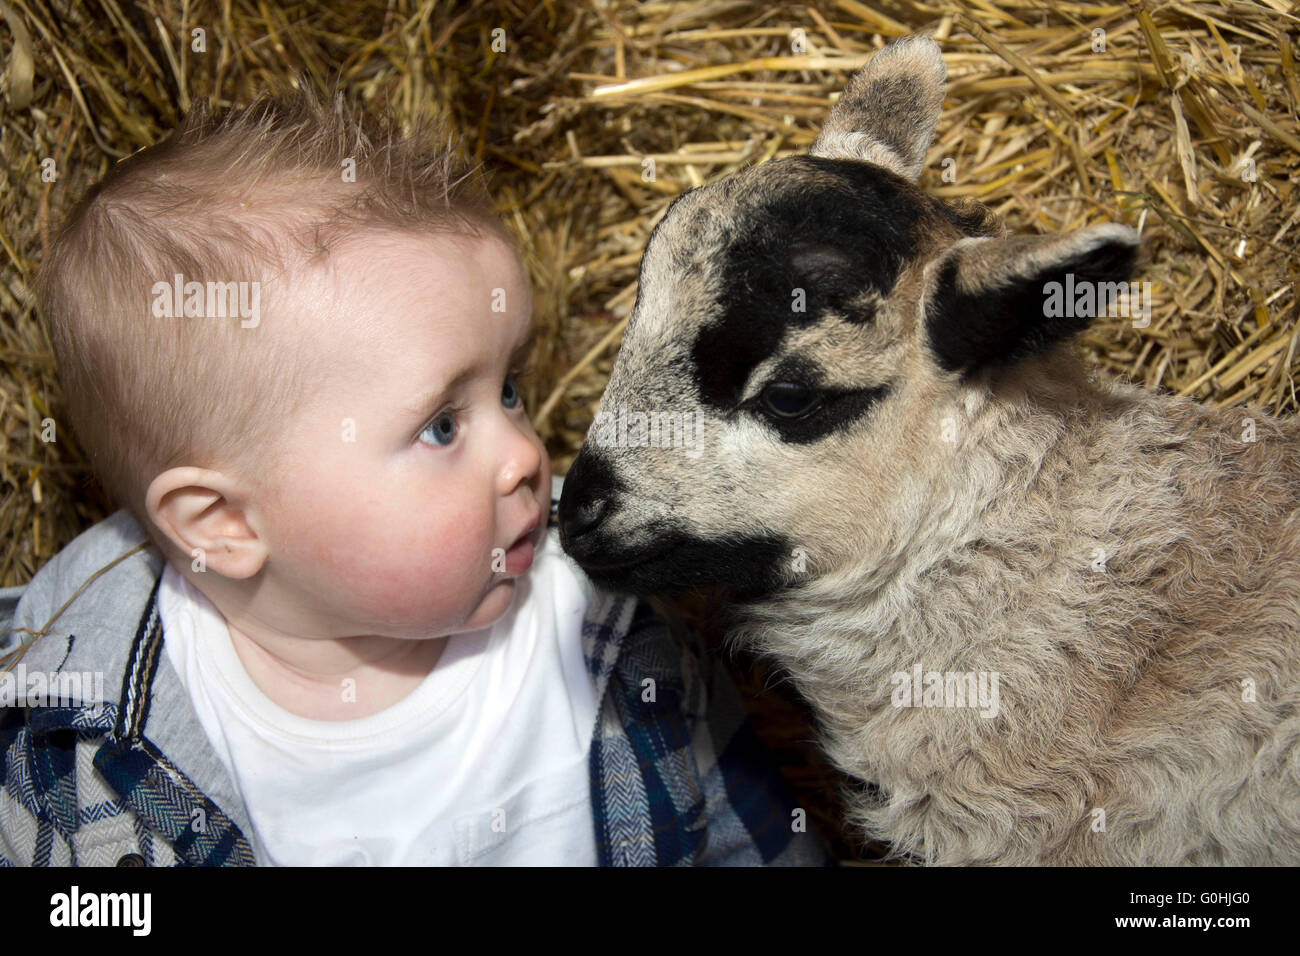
x: 1054, y: 618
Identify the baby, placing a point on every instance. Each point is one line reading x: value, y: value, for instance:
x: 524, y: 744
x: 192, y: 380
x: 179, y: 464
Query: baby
x: 331, y: 618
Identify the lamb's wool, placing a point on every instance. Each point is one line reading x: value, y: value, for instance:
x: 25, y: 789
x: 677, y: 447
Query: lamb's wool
x: 1130, y: 568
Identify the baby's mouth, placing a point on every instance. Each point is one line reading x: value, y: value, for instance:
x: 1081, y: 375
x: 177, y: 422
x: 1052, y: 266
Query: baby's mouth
x: 519, y: 556
x: 529, y: 533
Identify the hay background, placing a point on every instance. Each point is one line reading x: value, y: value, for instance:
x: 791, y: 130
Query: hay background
x: 1050, y: 134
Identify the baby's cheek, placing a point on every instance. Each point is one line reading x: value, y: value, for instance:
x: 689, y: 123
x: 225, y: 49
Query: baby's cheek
x: 424, y: 577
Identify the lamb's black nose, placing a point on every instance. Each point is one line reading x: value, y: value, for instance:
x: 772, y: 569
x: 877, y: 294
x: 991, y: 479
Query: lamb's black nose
x: 586, y: 499
x: 581, y: 517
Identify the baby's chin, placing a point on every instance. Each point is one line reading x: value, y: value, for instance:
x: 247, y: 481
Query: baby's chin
x: 494, y: 602
x: 497, y: 596
x: 494, y: 605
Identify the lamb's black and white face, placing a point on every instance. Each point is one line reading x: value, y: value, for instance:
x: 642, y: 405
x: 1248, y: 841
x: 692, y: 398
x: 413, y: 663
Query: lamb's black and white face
x: 799, y: 328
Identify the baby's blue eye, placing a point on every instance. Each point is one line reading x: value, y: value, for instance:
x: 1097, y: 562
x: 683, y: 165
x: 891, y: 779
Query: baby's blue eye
x: 442, y: 430
x: 510, y: 397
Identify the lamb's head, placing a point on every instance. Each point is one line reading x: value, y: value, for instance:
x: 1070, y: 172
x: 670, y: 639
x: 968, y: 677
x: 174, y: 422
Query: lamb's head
x: 800, y: 329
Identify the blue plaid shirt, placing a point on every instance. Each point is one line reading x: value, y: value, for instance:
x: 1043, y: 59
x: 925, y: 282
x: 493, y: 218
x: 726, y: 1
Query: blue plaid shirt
x: 132, y: 780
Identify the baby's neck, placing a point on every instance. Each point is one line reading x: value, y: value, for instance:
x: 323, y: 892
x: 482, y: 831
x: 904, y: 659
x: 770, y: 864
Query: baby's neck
x: 351, y: 692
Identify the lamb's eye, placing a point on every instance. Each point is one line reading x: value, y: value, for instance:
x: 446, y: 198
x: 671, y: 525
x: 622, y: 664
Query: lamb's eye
x: 789, y: 399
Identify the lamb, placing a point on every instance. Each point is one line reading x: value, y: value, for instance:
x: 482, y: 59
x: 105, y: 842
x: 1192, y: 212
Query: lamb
x: 1051, y: 619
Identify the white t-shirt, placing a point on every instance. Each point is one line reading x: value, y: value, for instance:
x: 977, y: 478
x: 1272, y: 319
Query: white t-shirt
x: 484, y: 763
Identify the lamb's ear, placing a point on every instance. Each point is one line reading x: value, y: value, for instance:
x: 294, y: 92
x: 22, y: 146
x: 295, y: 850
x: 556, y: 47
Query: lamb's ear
x: 889, y: 110
x: 993, y: 302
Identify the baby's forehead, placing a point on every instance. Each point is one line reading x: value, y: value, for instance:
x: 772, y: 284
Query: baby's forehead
x: 387, y: 288
x: 416, y: 262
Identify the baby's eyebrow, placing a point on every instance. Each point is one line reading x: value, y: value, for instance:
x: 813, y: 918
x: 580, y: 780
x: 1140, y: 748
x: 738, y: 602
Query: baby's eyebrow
x: 429, y: 401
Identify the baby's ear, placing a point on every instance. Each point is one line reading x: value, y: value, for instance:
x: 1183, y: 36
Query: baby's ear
x: 889, y: 110
x: 994, y: 302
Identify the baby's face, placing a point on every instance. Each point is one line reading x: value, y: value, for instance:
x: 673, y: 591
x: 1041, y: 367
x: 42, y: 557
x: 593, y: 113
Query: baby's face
x: 414, y: 467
